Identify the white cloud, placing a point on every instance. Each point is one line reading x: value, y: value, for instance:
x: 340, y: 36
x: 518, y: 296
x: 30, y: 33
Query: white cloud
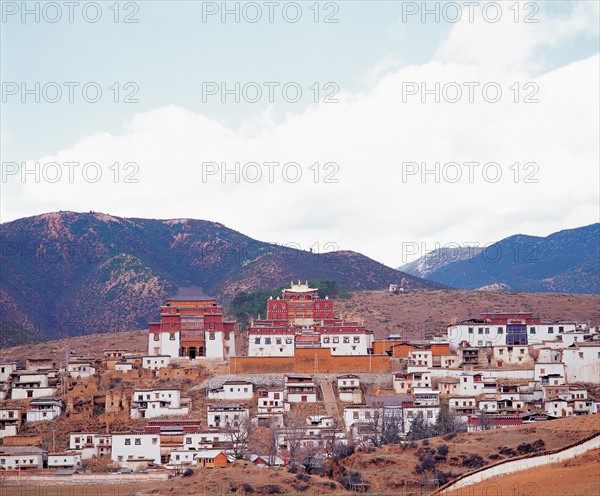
x: 368, y: 135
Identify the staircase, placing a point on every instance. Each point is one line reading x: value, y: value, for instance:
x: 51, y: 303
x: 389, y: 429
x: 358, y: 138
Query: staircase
x: 331, y: 404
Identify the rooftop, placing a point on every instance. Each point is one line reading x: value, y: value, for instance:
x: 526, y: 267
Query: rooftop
x: 191, y: 293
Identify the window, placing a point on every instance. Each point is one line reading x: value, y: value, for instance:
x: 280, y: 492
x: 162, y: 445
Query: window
x: 336, y: 339
x: 357, y: 339
x: 429, y: 414
x: 120, y: 457
x: 522, y: 351
x: 288, y: 341
x: 346, y: 339
x: 127, y: 441
x: 267, y: 340
x: 354, y: 415
x: 211, y: 335
x: 501, y: 352
x: 550, y: 330
x: 480, y: 330
x: 532, y: 330
x: 500, y: 330
x: 277, y: 340
x: 326, y: 339
x: 138, y: 441
x: 256, y: 340
x: 188, y: 440
x: 487, y: 330
x: 581, y: 354
x: 561, y: 329
x: 470, y: 330
x: 156, y: 337
x: 155, y: 440
x: 172, y: 337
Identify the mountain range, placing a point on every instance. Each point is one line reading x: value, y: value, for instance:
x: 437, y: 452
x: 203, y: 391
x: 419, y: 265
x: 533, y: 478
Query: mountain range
x: 564, y: 262
x: 68, y: 273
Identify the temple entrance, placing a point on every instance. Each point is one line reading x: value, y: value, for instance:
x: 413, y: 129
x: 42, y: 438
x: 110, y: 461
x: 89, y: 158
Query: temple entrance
x: 192, y: 352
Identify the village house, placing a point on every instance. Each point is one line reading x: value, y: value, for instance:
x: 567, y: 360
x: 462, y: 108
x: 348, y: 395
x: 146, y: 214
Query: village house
x: 150, y: 403
x: 232, y: 390
x: 44, y: 409
x: 226, y: 415
x: 22, y: 457
x: 132, y: 447
x: 211, y: 459
x: 123, y: 367
x: 64, y: 460
x: 300, y: 389
x: 205, y: 440
x: 11, y: 420
x: 90, y: 445
x: 155, y: 362
x: 513, y: 329
x: 81, y: 369
x: 32, y: 384
x: 348, y: 387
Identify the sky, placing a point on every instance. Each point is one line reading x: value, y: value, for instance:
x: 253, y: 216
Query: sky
x: 387, y: 128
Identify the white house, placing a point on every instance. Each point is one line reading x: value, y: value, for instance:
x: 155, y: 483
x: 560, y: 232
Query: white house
x: 64, y: 460
x: 222, y: 415
x: 22, y: 457
x: 150, y: 403
x: 507, y: 329
x: 232, y: 390
x: 346, y: 340
x: 182, y: 458
x: 420, y: 357
x: 80, y: 369
x: 462, y: 405
x: 6, y: 370
x: 123, y: 366
x: 559, y: 407
x: 155, y: 362
x: 429, y: 413
x: 204, y: 440
x: 271, y: 341
x: 349, y: 388
x: 300, y: 389
x: 449, y: 386
x: 90, y: 445
x: 582, y: 363
x: 135, y: 446
x: 44, y: 409
x: 271, y: 401
x: 415, y: 377
x: 10, y: 421
x: 31, y: 385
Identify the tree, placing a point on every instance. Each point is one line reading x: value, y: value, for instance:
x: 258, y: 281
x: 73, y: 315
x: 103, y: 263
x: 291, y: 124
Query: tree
x: 239, y: 434
x: 294, y: 430
x: 486, y: 422
x: 448, y: 423
x: 310, y: 457
x: 385, y: 427
x: 420, y: 428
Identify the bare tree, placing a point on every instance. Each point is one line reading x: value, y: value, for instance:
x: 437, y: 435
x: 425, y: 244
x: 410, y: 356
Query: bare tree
x: 385, y: 426
x: 294, y: 430
x: 310, y: 457
x: 239, y: 434
x: 486, y: 421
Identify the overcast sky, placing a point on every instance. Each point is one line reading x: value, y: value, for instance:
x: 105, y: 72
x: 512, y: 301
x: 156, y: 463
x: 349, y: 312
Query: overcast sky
x: 517, y: 89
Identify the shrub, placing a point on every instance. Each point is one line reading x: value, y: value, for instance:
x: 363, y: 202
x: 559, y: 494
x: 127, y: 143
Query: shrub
x: 299, y: 487
x: 425, y: 442
x: 187, y: 472
x: 247, y: 488
x: 494, y: 457
x: 272, y: 489
x: 539, y: 445
x: 473, y: 461
x: 448, y: 437
x: 442, y: 449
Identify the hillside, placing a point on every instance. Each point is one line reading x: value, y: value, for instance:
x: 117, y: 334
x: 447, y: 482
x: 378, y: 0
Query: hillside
x: 67, y: 273
x: 419, y: 314
x: 564, y: 262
